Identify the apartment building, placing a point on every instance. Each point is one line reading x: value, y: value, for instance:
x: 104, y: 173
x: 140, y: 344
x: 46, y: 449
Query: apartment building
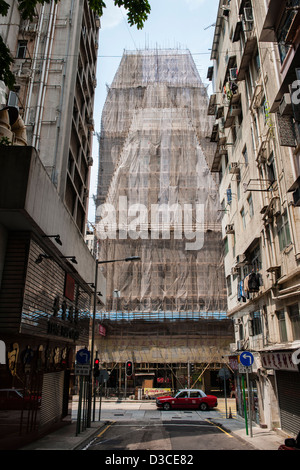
x: 256, y: 133
x: 46, y: 267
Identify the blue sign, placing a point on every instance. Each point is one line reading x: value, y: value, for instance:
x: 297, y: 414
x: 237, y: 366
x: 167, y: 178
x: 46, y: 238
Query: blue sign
x: 83, y: 356
x: 246, y: 359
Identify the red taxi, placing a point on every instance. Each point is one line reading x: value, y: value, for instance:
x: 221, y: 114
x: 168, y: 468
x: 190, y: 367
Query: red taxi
x: 188, y: 399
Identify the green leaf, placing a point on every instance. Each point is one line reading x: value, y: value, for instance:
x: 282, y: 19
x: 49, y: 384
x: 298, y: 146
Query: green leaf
x: 5, y: 62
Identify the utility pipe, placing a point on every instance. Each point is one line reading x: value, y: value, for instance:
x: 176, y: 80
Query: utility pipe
x: 46, y: 75
x: 42, y: 81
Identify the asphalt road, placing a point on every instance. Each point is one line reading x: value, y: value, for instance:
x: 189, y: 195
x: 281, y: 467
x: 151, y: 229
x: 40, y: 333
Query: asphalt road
x: 173, y: 435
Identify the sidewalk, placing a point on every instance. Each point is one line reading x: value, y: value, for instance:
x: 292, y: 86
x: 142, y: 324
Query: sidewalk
x: 262, y: 439
x: 65, y: 438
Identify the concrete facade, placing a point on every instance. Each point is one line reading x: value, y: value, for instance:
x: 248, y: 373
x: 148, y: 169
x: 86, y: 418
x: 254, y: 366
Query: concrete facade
x: 46, y: 267
x: 257, y: 157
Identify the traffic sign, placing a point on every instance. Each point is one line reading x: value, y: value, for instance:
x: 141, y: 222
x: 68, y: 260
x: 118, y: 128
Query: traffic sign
x: 224, y: 373
x: 83, y: 356
x: 246, y: 358
x: 245, y: 369
x: 82, y: 369
x: 103, y: 376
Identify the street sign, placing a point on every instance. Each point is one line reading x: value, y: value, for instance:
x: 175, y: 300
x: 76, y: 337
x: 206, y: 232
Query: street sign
x: 224, y: 373
x: 82, y: 369
x: 246, y: 359
x: 83, y: 356
x: 245, y: 369
x: 103, y: 376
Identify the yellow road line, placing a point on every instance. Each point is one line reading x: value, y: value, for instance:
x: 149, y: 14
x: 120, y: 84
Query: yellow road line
x: 225, y: 432
x: 105, y: 429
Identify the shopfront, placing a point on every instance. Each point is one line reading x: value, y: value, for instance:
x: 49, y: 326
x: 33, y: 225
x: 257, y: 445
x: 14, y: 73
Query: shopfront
x: 287, y: 377
x: 44, y: 316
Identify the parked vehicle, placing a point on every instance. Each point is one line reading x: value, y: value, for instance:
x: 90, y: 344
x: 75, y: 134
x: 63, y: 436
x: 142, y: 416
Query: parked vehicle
x: 14, y: 399
x: 291, y: 444
x: 188, y: 399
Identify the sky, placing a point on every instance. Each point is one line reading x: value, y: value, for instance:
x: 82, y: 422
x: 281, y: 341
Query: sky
x: 172, y: 24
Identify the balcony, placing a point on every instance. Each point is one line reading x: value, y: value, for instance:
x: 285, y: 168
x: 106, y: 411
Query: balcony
x: 220, y: 151
x: 276, y: 10
x: 247, y: 53
x: 234, y: 110
x: 212, y: 106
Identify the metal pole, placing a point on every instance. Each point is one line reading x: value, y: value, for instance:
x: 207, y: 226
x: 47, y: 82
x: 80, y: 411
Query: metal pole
x: 100, y: 403
x: 92, y: 347
x: 245, y: 406
x: 79, y: 406
x: 189, y: 374
x: 249, y: 403
x: 225, y: 391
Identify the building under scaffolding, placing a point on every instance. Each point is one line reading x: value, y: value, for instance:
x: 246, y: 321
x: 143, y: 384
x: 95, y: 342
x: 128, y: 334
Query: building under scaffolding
x: 158, y: 200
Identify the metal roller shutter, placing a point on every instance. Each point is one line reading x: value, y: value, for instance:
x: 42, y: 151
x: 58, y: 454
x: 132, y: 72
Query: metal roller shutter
x: 288, y: 386
x: 52, y: 398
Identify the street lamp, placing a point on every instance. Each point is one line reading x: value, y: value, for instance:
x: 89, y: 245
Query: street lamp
x: 130, y: 258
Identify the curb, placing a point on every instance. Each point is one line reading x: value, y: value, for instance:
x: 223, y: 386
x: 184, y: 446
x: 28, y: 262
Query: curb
x: 87, y: 439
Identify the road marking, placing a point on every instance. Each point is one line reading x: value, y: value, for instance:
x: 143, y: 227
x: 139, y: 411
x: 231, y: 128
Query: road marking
x: 105, y: 429
x: 225, y: 432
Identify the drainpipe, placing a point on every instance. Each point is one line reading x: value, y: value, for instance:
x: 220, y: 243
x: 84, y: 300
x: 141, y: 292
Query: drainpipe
x: 35, y: 55
x: 284, y: 296
x: 46, y: 75
x: 42, y: 81
x: 53, y: 175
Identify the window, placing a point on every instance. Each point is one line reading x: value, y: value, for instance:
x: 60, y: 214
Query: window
x: 271, y: 170
x: 282, y: 325
x: 195, y: 394
x: 251, y: 209
x: 284, y: 28
x: 229, y: 288
x: 255, y: 324
x: 257, y: 62
x: 294, y: 314
x: 283, y: 231
x: 255, y: 258
x: 243, y: 217
x: 245, y: 155
x: 229, y: 195
x: 21, y: 50
x: 182, y: 395
x: 223, y: 210
x: 226, y: 248
x: 241, y: 331
x: 233, y: 133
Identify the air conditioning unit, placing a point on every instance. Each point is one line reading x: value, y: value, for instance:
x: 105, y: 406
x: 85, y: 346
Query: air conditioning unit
x: 97, y: 21
x: 235, y: 271
x: 229, y: 228
x: 226, y: 11
x: 286, y: 107
x: 234, y: 168
x: 240, y: 259
x: 233, y: 73
x: 248, y: 14
x: 235, y: 110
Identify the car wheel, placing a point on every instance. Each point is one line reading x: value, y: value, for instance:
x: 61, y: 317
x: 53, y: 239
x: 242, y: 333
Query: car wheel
x: 203, y: 406
x: 167, y: 406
